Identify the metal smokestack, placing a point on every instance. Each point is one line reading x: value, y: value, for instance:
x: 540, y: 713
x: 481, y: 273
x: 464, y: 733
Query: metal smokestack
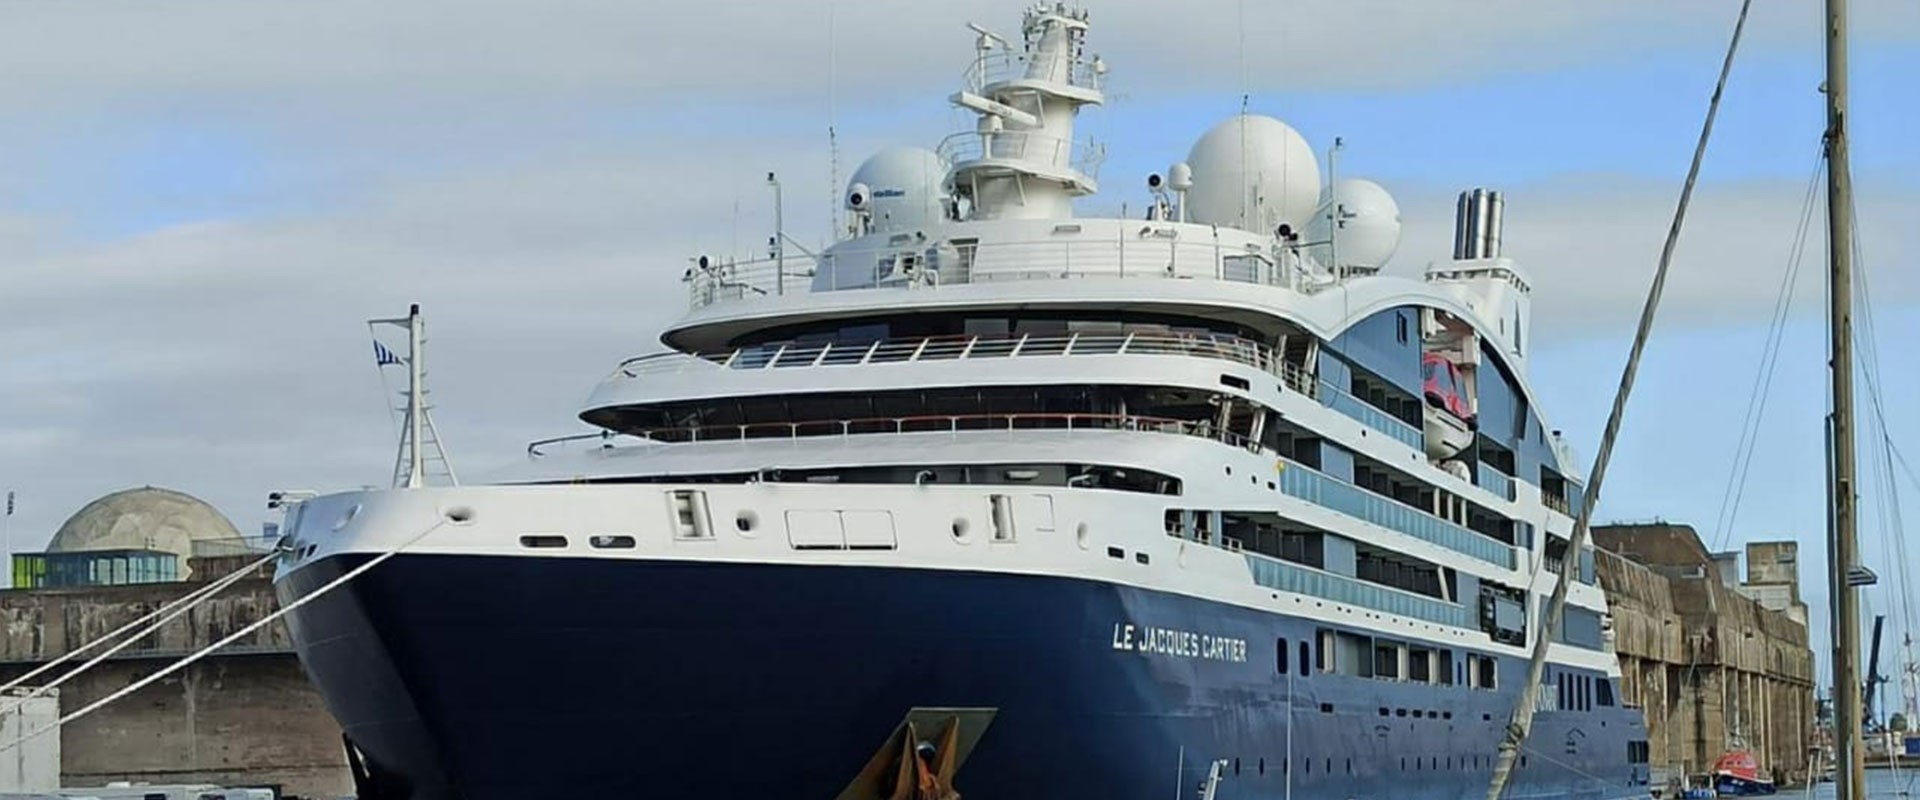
x: 1476, y: 225
x: 1462, y: 226
x: 1496, y: 205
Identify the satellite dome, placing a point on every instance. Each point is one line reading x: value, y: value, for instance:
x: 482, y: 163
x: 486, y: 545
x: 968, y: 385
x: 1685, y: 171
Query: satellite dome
x: 147, y: 518
x: 903, y: 188
x: 1252, y: 172
x: 1369, y: 230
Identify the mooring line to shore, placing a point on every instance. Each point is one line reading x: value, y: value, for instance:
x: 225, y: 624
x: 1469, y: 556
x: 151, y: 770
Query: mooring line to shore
x: 230, y: 638
x: 171, y: 611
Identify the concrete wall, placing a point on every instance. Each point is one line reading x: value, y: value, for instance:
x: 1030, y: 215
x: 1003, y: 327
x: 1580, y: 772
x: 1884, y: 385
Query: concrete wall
x: 1713, y: 669
x: 246, y: 716
x: 34, y: 765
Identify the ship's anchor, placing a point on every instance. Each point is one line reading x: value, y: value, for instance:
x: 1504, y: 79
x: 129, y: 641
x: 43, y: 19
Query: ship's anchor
x: 919, y: 760
x: 926, y: 770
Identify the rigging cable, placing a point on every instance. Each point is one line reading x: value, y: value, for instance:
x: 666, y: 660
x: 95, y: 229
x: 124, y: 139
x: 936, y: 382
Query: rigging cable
x: 1762, y: 387
x: 1769, y: 361
x: 1888, y: 505
x: 1522, y: 721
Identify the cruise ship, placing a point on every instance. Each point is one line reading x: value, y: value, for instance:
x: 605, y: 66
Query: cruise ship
x: 987, y: 499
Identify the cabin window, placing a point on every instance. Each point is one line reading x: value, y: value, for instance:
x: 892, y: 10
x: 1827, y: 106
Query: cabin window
x: 1283, y: 654
x: 1386, y: 661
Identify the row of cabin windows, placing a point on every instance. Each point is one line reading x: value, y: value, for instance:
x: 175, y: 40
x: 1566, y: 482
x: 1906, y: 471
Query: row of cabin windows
x: 1582, y: 692
x: 1407, y: 764
x: 1390, y: 660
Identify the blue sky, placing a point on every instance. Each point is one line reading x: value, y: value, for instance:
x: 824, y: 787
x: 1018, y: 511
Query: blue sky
x: 199, y: 225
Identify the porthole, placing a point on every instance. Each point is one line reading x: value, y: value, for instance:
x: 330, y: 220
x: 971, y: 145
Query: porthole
x: 746, y: 521
x: 611, y: 541
x: 960, y: 527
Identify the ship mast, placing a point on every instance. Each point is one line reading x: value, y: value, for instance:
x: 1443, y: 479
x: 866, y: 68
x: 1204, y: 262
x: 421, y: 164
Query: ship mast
x: 1843, y: 551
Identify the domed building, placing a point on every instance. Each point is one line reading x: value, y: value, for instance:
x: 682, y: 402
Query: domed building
x: 142, y: 535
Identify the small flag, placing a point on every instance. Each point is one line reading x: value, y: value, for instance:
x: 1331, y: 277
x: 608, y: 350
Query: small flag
x: 9, y: 502
x: 382, y: 356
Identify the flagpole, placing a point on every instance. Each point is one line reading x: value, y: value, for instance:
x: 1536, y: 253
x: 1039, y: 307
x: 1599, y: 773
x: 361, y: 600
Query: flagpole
x: 6, y: 532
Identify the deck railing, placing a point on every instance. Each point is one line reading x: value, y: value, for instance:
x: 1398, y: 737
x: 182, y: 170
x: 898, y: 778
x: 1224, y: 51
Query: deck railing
x: 1371, y: 416
x: 936, y: 423
x: 1084, y: 156
x: 1276, y: 574
x: 1001, y: 66
x: 904, y: 261
x: 951, y: 348
x: 1321, y: 489
x: 1493, y: 480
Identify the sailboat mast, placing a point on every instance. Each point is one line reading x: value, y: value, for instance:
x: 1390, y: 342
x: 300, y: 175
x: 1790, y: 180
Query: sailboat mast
x: 1850, y: 778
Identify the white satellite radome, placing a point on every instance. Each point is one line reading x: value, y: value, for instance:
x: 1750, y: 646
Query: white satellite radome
x: 901, y: 188
x: 1369, y: 232
x: 1252, y: 172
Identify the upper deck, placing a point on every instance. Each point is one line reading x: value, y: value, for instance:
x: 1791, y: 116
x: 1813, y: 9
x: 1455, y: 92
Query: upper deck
x: 999, y: 251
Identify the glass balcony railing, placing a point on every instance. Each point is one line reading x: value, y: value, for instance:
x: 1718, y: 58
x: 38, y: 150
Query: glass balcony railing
x: 1370, y: 416
x: 1275, y: 574
x: 1493, y: 480
x: 1325, y: 490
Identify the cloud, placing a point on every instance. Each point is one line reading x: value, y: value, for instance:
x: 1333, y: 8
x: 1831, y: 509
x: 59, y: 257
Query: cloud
x: 537, y: 176
x: 68, y: 53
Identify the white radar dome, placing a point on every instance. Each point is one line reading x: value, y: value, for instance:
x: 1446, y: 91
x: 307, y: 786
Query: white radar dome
x: 1369, y: 229
x: 1253, y: 172
x: 903, y: 188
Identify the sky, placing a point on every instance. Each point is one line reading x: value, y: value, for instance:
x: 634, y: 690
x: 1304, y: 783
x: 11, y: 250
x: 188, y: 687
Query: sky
x: 202, y: 201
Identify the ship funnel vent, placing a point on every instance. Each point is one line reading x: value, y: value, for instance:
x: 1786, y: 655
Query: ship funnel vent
x: 1476, y: 225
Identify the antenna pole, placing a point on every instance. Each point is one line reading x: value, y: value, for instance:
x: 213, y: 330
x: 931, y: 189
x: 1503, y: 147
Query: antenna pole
x: 779, y: 239
x: 416, y: 396
x: 1850, y: 778
x: 1333, y: 209
x: 833, y: 140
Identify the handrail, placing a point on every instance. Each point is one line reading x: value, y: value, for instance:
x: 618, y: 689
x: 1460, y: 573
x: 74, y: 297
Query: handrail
x: 606, y: 437
x: 1005, y: 67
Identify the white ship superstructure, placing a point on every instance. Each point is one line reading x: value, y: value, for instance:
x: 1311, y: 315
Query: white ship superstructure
x: 1143, y: 495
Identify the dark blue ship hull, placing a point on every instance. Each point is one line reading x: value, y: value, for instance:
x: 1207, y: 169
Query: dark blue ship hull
x: 483, y: 677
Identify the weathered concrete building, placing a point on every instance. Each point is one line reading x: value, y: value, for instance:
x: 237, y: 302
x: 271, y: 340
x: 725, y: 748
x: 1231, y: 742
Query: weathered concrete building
x: 244, y: 716
x: 1718, y: 664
